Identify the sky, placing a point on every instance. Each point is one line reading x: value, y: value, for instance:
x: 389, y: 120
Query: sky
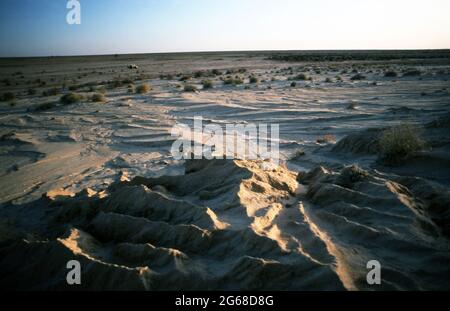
x: 39, y: 27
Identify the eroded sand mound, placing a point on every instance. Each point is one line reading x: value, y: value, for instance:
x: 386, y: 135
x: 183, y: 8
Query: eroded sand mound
x: 229, y: 224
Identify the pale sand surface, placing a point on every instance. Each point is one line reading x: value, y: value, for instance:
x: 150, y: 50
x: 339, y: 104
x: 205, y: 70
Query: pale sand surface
x: 96, y: 181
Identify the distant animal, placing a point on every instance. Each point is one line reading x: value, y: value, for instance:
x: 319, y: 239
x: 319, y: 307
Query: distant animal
x: 133, y: 66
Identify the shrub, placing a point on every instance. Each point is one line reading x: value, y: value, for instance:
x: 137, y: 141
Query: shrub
x: 74, y: 87
x: 390, y: 74
x: 190, y: 88
x: 216, y: 72
x: 127, y: 81
x: 351, y: 175
x: 351, y: 106
x: 198, y: 74
x: 71, y: 98
x: 293, y: 84
x: 207, y: 84
x: 411, y: 73
x: 358, y: 76
x: 300, y: 76
x: 45, y: 106
x: 184, y: 78
x: 102, y: 90
x: 399, y: 142
x: 143, y: 88
x: 51, y: 92
x: 31, y: 91
x: 98, y: 98
x: 253, y: 79
x: 234, y: 81
x: 8, y: 96
x: 328, y: 80
x: 326, y: 139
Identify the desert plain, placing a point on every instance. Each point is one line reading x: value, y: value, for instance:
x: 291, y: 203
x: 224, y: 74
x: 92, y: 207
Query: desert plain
x: 87, y: 173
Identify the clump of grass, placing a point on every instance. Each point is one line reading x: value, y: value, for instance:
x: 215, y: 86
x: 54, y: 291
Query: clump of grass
x: 412, y: 73
x: 328, y: 80
x: 74, y: 87
x: 6, y: 82
x: 216, y: 72
x: 190, y: 88
x: 127, y: 81
x: 390, y: 74
x: 185, y: 78
x: 207, y: 84
x: 8, y: 96
x: 102, y: 90
x: 198, y: 74
x: 253, y: 79
x: 293, y: 84
x: 326, y: 139
x: 233, y: 81
x: 131, y: 88
x: 399, y: 142
x: 357, y: 76
x: 300, y: 76
x: 71, y: 98
x: 351, y: 106
x: 45, y: 106
x: 143, y: 89
x: 351, y: 175
x: 98, y: 98
x: 51, y: 92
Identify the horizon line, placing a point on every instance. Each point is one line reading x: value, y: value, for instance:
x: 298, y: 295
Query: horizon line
x: 216, y: 51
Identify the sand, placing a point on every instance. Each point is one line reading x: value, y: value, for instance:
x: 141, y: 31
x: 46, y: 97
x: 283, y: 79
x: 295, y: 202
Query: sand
x: 96, y: 182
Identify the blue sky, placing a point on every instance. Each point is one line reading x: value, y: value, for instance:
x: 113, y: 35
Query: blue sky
x: 38, y: 27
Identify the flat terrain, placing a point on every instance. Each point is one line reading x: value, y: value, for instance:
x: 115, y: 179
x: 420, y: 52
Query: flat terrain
x: 96, y: 182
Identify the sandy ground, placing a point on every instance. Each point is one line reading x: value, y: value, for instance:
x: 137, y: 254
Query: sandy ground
x: 96, y: 182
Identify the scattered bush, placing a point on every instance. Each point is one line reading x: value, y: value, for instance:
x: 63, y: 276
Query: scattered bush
x: 412, y: 73
x: 45, y: 106
x: 143, y: 89
x: 234, y: 81
x: 351, y: 175
x: 74, y: 87
x: 328, y: 80
x: 207, y: 84
x: 190, y: 88
x: 184, y: 78
x: 390, y: 74
x: 399, y: 142
x: 102, y: 90
x: 300, y: 76
x: 51, y: 92
x: 198, y: 74
x: 358, y: 76
x: 98, y: 98
x: 351, y: 106
x: 216, y: 72
x: 293, y: 84
x: 8, y: 96
x: 253, y: 79
x: 326, y: 139
x: 71, y: 98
